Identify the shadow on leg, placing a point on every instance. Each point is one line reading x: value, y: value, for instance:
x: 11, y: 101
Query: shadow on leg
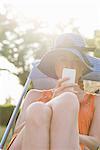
x: 64, y: 124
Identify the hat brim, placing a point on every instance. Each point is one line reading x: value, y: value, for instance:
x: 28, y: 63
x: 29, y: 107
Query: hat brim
x: 93, y: 76
x: 79, y: 53
x: 95, y: 62
x: 51, y: 57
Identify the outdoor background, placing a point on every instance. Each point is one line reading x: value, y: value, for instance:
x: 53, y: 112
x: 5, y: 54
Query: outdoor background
x: 28, y: 29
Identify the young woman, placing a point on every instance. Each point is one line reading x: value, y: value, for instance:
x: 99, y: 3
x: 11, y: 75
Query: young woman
x: 53, y: 119
x: 68, y: 41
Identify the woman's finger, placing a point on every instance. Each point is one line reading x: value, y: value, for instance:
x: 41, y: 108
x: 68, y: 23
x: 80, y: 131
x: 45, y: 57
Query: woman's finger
x: 67, y: 85
x: 65, y: 90
x: 63, y: 87
x: 70, y: 90
x: 60, y: 81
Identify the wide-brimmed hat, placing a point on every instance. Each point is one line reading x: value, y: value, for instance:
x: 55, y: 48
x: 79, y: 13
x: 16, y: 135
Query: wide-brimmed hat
x: 75, y: 44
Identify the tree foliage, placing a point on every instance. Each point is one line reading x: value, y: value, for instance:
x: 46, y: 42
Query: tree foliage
x: 19, y: 44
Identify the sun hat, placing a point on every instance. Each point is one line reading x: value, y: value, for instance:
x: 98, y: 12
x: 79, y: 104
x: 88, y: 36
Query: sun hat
x: 74, y: 43
x: 71, y: 40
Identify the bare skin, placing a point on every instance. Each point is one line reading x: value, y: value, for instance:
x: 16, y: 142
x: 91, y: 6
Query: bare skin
x: 64, y: 123
x: 30, y: 138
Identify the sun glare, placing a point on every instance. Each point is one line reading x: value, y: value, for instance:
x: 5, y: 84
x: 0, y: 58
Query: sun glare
x: 86, y: 13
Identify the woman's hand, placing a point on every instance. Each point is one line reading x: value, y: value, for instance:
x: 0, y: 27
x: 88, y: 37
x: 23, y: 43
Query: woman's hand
x: 62, y: 86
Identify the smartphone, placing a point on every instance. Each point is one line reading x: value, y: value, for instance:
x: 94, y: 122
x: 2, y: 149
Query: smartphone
x: 70, y: 73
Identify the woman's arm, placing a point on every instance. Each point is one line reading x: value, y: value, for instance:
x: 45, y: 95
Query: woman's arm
x: 89, y: 141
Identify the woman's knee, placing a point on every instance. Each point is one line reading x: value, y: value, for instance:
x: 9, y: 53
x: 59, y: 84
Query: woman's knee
x: 70, y: 99
x: 67, y: 100
x: 33, y: 94
x: 37, y: 113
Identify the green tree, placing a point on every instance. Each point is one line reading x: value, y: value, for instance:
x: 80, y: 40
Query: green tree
x: 20, y: 45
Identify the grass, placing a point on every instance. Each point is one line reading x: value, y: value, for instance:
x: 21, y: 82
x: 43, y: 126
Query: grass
x: 2, y: 130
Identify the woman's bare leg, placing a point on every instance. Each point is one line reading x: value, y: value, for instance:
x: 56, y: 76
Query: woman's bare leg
x: 64, y: 123
x: 35, y: 133
x: 37, y: 126
x: 31, y: 97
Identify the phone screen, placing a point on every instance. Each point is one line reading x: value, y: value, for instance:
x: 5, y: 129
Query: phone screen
x: 70, y: 73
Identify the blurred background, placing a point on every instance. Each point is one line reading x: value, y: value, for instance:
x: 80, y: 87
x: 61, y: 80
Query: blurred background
x: 28, y: 29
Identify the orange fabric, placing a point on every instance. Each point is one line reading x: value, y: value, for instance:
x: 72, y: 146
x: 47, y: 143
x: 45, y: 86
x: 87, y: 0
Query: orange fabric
x: 46, y: 96
x: 85, y: 113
